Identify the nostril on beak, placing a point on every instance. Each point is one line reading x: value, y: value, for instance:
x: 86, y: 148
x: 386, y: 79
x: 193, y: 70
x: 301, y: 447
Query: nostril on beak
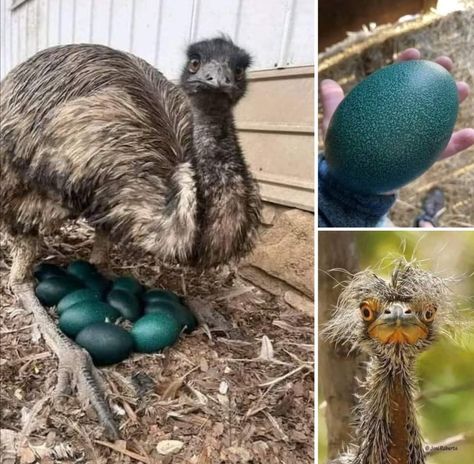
x: 209, y: 77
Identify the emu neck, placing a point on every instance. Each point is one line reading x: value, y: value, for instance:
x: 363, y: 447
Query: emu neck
x: 387, y: 428
x: 398, y: 448
x: 214, y: 132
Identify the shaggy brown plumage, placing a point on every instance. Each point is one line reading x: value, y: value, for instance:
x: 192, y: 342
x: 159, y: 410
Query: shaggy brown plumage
x: 88, y: 131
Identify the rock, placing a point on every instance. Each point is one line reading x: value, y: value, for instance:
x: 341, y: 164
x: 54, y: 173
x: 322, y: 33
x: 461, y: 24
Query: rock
x: 268, y: 215
x: 167, y: 447
x: 283, y: 259
x: 300, y: 302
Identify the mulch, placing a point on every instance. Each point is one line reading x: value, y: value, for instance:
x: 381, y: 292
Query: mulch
x: 243, y: 395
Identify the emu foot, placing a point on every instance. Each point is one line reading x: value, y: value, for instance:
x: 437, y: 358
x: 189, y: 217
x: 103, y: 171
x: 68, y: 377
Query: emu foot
x: 206, y: 314
x: 76, y: 369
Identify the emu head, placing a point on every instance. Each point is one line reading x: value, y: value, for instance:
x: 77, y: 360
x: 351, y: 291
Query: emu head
x: 216, y: 70
x: 398, y: 317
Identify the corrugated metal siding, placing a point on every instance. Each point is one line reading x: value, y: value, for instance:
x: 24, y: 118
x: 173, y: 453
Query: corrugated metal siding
x: 275, y: 120
x: 278, y: 33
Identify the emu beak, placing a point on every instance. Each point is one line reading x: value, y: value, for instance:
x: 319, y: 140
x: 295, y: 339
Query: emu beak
x: 216, y: 75
x: 398, y: 324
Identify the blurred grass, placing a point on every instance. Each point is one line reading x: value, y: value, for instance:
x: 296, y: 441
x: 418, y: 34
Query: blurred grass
x: 448, y: 364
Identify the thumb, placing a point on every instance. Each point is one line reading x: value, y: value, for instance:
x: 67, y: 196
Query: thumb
x: 331, y: 96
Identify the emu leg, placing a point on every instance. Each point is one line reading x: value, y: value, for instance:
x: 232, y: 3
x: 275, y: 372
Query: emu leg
x: 100, y: 250
x: 75, y: 365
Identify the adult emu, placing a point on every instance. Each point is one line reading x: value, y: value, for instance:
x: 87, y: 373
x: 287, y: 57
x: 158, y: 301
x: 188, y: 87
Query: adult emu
x: 392, y: 322
x: 92, y: 132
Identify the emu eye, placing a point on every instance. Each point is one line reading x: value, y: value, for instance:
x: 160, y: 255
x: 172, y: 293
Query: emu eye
x: 194, y: 65
x: 366, y: 311
x: 239, y: 73
x: 429, y: 314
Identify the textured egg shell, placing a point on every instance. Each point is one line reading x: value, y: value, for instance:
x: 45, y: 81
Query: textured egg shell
x: 181, y: 313
x: 53, y: 289
x: 392, y: 126
x: 157, y: 294
x: 84, y: 294
x: 153, y: 332
x: 98, y: 283
x: 129, y: 284
x: 81, y: 269
x: 126, y: 303
x: 106, y: 343
x: 85, y: 313
x: 46, y: 270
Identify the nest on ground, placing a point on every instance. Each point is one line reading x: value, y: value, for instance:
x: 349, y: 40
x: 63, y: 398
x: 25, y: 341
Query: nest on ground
x: 242, y: 395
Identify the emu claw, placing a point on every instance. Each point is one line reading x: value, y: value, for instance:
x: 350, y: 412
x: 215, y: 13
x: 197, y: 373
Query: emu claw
x: 75, y: 365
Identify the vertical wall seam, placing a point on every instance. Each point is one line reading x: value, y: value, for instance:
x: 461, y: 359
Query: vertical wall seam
x: 285, y: 39
x: 11, y: 38
x: 91, y: 20
x: 158, y: 32
x: 238, y: 16
x: 47, y: 5
x: 73, y: 25
x: 132, y: 26
x: 194, y: 20
x: 37, y: 24
x: 25, y: 6
x: 60, y: 20
x: 111, y: 15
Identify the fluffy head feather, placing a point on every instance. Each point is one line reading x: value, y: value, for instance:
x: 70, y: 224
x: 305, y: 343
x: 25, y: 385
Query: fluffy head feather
x: 419, y: 292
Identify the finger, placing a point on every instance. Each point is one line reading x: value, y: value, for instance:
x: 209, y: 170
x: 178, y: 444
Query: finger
x: 446, y: 62
x: 460, y: 140
x: 463, y: 90
x: 331, y: 95
x: 409, y: 54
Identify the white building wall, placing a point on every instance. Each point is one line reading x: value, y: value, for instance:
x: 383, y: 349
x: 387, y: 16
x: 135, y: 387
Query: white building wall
x: 278, y: 33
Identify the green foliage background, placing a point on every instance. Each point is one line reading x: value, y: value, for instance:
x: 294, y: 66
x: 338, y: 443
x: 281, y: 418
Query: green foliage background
x: 446, y: 371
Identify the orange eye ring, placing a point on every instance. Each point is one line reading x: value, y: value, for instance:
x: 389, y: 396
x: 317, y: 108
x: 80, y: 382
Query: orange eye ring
x: 194, y: 65
x: 367, y: 312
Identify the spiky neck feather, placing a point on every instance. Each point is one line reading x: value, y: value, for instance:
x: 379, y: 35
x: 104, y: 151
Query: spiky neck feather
x: 387, y: 431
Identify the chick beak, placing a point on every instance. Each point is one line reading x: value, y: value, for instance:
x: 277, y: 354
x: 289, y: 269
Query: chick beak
x: 398, y: 324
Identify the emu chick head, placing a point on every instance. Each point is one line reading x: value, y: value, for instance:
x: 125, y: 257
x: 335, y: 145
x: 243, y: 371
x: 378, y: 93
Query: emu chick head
x: 389, y: 319
x: 215, y: 70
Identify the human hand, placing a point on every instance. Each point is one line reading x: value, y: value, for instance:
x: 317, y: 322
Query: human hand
x: 332, y: 95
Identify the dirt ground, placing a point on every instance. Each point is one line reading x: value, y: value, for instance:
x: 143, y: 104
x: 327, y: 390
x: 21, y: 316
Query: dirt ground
x: 455, y: 176
x: 243, y: 395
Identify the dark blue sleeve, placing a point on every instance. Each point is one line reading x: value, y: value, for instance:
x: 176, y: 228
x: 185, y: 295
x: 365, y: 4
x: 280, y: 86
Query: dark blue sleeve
x: 340, y: 207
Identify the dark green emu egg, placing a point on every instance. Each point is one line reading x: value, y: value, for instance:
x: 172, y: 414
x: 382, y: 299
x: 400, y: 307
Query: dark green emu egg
x: 84, y: 313
x: 392, y: 126
x: 83, y: 294
x: 125, y: 303
x: 156, y: 294
x: 106, y: 343
x: 153, y: 332
x: 98, y: 283
x: 181, y: 313
x: 81, y: 269
x: 46, y: 270
x: 53, y: 289
x: 128, y: 284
